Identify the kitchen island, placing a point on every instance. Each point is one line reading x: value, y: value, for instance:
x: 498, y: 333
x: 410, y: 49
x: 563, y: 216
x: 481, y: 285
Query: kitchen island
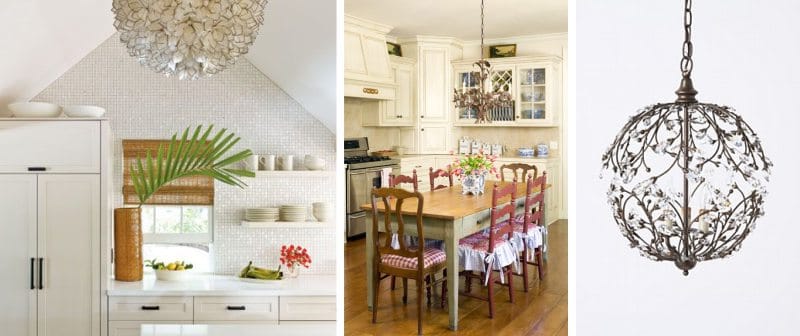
x: 238, y: 330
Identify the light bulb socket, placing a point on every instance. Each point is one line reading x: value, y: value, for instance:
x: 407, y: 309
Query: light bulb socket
x: 686, y: 92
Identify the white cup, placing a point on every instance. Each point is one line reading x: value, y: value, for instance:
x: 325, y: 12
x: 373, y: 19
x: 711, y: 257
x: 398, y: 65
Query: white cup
x: 250, y: 163
x: 267, y: 162
x: 286, y: 162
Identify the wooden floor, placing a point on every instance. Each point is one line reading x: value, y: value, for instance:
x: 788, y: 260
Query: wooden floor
x: 541, y: 311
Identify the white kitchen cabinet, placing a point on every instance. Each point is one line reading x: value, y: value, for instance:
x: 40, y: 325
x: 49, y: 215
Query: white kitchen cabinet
x: 51, y: 251
x: 308, y: 308
x: 215, y: 308
x: 133, y: 328
x: 434, y: 88
x: 365, y: 54
x: 434, y: 138
x: 51, y: 146
x: 533, y: 82
x: 151, y: 308
x: 399, y: 112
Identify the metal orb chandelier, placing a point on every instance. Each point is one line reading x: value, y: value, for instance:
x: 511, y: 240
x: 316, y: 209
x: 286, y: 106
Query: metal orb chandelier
x: 688, y: 179
x: 188, y: 38
x: 481, y: 98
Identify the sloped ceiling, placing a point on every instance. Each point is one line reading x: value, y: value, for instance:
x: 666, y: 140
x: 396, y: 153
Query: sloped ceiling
x: 42, y: 39
x: 296, y: 48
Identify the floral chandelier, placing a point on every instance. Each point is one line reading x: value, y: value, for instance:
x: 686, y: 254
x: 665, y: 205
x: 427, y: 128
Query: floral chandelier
x: 481, y: 98
x: 688, y: 179
x: 188, y: 38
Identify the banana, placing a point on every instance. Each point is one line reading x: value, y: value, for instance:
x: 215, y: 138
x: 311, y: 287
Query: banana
x: 243, y: 273
x: 254, y: 272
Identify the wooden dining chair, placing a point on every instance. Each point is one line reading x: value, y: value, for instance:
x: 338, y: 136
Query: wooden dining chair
x: 518, y: 167
x: 434, y: 174
x: 493, y: 250
x: 398, y: 180
x: 403, y: 261
x: 527, y: 228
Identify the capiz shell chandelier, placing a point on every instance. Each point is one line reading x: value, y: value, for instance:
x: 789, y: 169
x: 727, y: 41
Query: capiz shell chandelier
x: 188, y: 38
x: 688, y: 179
x: 481, y: 98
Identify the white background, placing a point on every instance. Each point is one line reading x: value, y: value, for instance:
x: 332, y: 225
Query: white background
x: 747, y: 55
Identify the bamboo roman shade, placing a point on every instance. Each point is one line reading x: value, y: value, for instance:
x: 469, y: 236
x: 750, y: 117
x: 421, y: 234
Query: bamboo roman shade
x: 193, y: 190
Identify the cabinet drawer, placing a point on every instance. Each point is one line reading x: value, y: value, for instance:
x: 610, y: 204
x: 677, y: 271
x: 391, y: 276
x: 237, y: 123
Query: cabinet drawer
x: 236, y: 308
x: 133, y: 328
x: 136, y: 308
x: 422, y: 166
x: 54, y: 146
x: 308, y: 308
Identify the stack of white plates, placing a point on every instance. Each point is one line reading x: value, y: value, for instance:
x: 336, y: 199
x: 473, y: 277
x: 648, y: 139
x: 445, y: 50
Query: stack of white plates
x: 293, y: 213
x: 261, y: 215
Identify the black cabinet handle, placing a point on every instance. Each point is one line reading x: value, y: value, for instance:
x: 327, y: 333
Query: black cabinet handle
x: 151, y: 307
x: 41, y: 273
x: 37, y: 169
x: 33, y: 261
x: 237, y: 308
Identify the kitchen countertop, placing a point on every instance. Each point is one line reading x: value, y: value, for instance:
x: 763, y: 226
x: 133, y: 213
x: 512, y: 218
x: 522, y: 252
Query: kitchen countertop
x: 239, y: 330
x: 414, y: 156
x: 222, y: 285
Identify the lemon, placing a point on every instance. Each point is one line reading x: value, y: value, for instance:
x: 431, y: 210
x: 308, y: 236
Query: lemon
x: 171, y: 266
x: 181, y: 268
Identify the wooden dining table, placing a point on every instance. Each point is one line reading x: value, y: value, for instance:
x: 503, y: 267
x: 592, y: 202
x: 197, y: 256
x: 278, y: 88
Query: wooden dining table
x: 448, y: 215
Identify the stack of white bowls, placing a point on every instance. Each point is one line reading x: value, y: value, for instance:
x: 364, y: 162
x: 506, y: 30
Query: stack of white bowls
x: 293, y: 213
x: 261, y: 215
x: 322, y: 211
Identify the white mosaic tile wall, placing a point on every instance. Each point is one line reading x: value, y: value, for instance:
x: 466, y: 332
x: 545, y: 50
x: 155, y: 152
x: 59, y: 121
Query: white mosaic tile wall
x: 143, y: 105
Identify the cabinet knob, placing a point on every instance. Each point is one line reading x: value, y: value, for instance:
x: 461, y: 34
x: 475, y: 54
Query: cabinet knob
x: 370, y: 91
x: 422, y: 116
x: 422, y: 129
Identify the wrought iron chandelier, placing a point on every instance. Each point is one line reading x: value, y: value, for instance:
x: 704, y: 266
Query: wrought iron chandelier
x: 688, y: 179
x: 190, y: 39
x: 481, y: 98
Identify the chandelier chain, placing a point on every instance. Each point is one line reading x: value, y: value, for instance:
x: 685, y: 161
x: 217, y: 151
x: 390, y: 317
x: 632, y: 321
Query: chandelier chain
x: 687, y: 64
x: 482, y: 28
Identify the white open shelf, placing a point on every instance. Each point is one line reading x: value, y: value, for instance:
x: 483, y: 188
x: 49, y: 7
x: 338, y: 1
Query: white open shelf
x: 307, y: 224
x: 295, y: 173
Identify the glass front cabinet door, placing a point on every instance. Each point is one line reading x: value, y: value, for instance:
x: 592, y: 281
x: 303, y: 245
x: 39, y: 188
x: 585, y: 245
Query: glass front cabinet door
x: 533, y: 82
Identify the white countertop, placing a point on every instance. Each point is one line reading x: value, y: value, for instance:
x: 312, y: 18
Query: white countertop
x: 221, y: 285
x: 238, y: 330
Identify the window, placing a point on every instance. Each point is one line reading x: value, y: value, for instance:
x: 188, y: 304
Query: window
x: 177, y: 224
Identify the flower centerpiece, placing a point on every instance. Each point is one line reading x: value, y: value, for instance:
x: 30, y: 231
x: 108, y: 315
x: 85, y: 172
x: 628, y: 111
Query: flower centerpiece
x: 473, y: 169
x: 293, y: 257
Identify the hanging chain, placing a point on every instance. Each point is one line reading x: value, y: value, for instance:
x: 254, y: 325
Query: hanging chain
x: 481, y: 28
x: 686, y: 63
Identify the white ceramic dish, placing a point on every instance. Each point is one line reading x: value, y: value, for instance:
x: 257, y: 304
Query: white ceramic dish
x: 313, y: 163
x: 84, y: 111
x: 167, y: 275
x: 259, y: 281
x: 35, y: 110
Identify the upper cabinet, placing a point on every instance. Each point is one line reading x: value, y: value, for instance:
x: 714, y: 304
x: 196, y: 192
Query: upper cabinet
x: 399, y: 112
x: 365, y: 55
x: 50, y: 146
x: 533, y: 82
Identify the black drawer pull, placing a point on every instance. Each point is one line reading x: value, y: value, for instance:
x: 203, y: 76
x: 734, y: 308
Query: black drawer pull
x: 151, y: 308
x: 237, y: 308
x: 37, y: 169
x: 41, y: 273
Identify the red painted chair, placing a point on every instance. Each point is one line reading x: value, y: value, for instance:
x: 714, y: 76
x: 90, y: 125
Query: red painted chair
x: 434, y: 174
x: 527, y: 228
x: 493, y: 251
x: 396, y: 181
x: 518, y: 168
x: 404, y: 261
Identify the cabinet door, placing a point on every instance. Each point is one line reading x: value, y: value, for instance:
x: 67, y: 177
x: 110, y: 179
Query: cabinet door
x: 134, y: 328
x: 404, y: 101
x: 433, y: 138
x: 353, y: 54
x: 308, y: 308
x: 56, y: 146
x: 435, y: 98
x: 69, y: 232
x: 534, y: 94
x: 17, y: 248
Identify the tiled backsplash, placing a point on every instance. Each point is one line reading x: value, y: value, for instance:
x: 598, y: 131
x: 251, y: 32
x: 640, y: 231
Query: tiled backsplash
x: 142, y: 105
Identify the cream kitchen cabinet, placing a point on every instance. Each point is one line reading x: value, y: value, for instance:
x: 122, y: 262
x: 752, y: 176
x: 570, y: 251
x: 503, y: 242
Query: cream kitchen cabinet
x: 365, y: 53
x: 52, y: 219
x: 399, y: 112
x: 535, y: 84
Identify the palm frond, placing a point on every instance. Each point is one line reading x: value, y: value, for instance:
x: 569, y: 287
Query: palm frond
x: 190, y: 156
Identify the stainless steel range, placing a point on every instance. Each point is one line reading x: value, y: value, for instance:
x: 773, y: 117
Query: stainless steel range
x: 363, y: 174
